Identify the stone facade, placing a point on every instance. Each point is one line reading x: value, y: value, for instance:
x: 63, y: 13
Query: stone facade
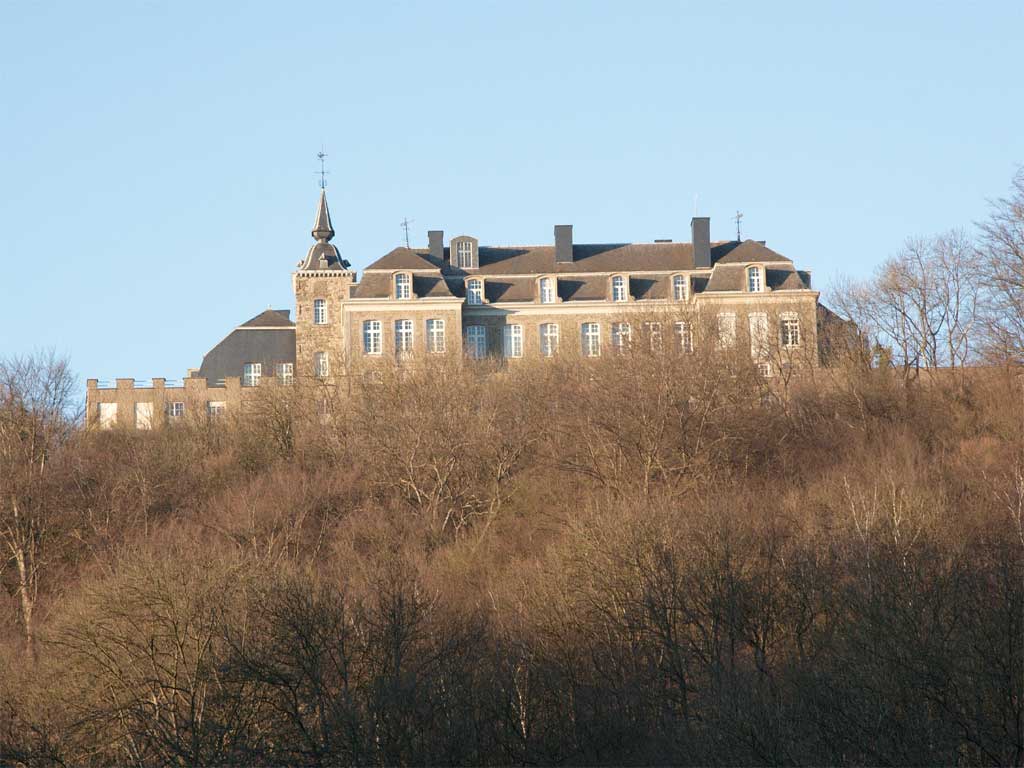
x: 434, y: 301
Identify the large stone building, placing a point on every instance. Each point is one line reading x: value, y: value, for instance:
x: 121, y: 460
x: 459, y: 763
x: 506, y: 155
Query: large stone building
x: 505, y: 302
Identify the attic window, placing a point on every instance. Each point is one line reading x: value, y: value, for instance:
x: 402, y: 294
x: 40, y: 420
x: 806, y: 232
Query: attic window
x: 403, y: 286
x: 475, y: 292
x: 618, y: 288
x: 755, y: 282
x: 464, y: 254
x: 547, y: 290
x: 679, y: 288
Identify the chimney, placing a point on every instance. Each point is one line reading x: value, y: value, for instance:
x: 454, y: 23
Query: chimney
x: 700, y: 231
x: 435, y: 238
x: 563, y: 243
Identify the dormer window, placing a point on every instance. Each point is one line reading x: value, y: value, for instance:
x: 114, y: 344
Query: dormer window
x: 547, y: 290
x: 464, y: 253
x: 475, y: 291
x: 755, y: 279
x: 403, y: 285
x: 680, y: 287
x: 618, y: 288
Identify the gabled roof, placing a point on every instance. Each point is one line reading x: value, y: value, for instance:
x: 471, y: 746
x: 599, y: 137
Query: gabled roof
x: 269, y: 318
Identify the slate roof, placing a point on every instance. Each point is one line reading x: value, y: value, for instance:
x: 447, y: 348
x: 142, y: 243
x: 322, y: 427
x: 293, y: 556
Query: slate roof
x: 260, y: 339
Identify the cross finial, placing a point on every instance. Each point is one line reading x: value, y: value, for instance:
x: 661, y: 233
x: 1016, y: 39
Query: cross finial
x: 738, y: 218
x: 321, y: 155
x: 405, y: 225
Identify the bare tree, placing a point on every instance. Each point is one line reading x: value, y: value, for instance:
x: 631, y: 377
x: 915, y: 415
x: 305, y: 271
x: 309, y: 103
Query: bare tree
x: 35, y: 423
x: 1001, y: 253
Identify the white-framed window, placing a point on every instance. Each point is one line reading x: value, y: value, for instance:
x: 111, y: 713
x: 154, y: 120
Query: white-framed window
x: 175, y: 410
x: 403, y: 286
x: 765, y: 369
x: 143, y: 415
x: 547, y: 290
x: 285, y: 373
x: 684, y: 335
x: 476, y: 341
x: 789, y: 327
x: 464, y: 254
x: 251, y: 374
x: 680, y: 287
x: 319, y: 312
x: 618, y: 288
x: 108, y: 415
x: 653, y: 332
x: 321, y: 365
x: 758, y: 334
x: 621, y: 334
x: 548, y: 339
x: 726, y: 330
x: 216, y: 408
x: 435, y: 336
x: 513, y: 340
x: 755, y: 280
x: 403, y: 337
x: 371, y: 337
x: 474, y: 291
x: 590, y: 334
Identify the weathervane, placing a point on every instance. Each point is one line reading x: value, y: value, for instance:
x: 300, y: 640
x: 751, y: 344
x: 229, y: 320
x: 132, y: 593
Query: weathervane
x: 738, y: 218
x: 323, y: 172
x: 405, y: 225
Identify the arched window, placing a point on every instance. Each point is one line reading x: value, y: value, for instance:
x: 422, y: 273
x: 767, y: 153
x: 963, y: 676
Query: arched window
x: 679, y: 286
x: 403, y: 286
x: 548, y: 339
x: 321, y: 368
x: 371, y: 337
x: 319, y: 311
x: 618, y: 288
x: 547, y: 290
x: 475, y: 292
x: 591, y: 336
x: 403, y: 337
x: 755, y: 283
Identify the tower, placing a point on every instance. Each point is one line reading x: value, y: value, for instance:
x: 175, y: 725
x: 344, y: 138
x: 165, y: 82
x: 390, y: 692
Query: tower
x: 321, y: 285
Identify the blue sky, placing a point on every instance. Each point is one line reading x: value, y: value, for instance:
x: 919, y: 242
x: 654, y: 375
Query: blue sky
x: 158, y: 159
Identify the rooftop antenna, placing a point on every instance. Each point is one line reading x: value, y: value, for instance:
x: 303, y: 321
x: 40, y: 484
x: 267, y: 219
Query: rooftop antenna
x: 738, y: 218
x: 405, y: 225
x: 321, y: 155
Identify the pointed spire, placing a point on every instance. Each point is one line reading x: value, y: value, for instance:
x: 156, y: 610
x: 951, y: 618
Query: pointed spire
x: 322, y: 229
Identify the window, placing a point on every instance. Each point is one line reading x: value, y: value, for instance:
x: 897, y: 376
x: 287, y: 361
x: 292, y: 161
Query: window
x: 321, y: 367
x: 435, y: 336
x: 475, y: 292
x: 216, y: 408
x: 476, y: 341
x: 591, y: 336
x: 653, y: 333
x: 464, y: 254
x: 143, y: 415
x: 764, y: 369
x: 758, y: 335
x: 547, y: 290
x: 175, y: 410
x: 754, y: 282
x: 548, y: 339
x: 371, y: 337
x: 319, y: 312
x: 108, y: 415
x: 513, y: 338
x: 403, y: 286
x: 285, y: 373
x: 684, y: 333
x: 679, y: 286
x: 621, y: 333
x: 251, y: 374
x: 403, y: 337
x: 790, y: 327
x: 726, y: 330
x: 618, y: 288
